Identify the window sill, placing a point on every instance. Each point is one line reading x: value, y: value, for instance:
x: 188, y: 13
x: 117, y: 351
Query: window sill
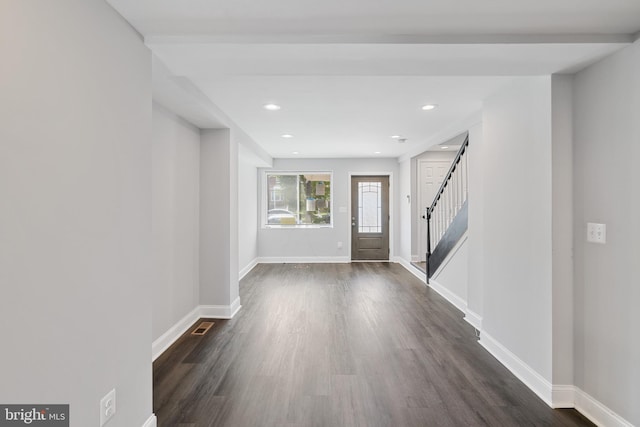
x: 297, y: 226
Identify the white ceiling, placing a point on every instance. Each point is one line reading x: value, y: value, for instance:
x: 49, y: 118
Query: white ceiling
x: 348, y: 75
x: 345, y: 116
x: 381, y: 17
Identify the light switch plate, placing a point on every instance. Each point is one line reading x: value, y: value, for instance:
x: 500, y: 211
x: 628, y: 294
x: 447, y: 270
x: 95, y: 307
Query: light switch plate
x: 596, y: 233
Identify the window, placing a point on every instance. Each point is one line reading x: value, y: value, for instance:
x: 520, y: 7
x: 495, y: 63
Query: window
x: 298, y: 199
x: 370, y: 207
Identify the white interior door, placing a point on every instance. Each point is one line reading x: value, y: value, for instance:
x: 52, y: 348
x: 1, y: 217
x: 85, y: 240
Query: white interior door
x: 431, y: 174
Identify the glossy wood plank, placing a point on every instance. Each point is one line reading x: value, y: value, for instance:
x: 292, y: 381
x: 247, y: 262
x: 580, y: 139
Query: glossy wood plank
x: 363, y: 344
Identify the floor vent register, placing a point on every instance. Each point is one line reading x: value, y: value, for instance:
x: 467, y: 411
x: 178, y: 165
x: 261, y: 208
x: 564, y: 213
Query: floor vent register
x: 202, y: 328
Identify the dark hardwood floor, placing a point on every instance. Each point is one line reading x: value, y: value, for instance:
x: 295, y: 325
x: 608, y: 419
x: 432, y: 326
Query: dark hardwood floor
x: 364, y: 344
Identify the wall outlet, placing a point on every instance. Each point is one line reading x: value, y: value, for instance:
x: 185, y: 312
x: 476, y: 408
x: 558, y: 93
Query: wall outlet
x: 339, y: 245
x: 596, y: 233
x: 107, y: 407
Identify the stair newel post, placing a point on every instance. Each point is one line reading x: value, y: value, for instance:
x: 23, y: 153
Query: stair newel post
x: 428, y: 241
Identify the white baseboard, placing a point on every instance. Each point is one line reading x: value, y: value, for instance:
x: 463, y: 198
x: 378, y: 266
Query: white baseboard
x: 247, y: 269
x: 556, y: 396
x: 152, y: 421
x: 165, y: 341
x: 563, y: 396
x: 474, y: 319
x: 161, y: 344
x: 454, y: 299
x: 598, y: 413
x: 220, y: 311
x: 235, y: 307
x: 305, y: 260
x: 538, y: 384
x: 411, y: 269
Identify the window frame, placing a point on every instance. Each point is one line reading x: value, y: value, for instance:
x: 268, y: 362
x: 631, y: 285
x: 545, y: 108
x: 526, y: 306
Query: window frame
x: 265, y: 198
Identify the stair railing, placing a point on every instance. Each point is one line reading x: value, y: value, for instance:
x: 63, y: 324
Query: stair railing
x: 448, y: 201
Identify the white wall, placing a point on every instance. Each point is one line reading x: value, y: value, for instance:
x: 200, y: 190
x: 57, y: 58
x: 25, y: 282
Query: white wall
x: 517, y: 221
x: 606, y: 177
x: 175, y: 219
x: 279, y: 243
x: 406, y: 208
x: 218, y: 218
x: 475, y: 230
x: 247, y: 213
x: 562, y: 228
x: 75, y: 185
x: 453, y: 274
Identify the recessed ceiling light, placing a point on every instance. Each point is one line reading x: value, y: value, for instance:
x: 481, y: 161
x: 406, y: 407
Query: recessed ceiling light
x: 272, y: 107
x: 294, y: 152
x: 444, y: 148
x: 429, y: 107
x: 287, y: 135
x: 395, y: 136
x: 376, y: 152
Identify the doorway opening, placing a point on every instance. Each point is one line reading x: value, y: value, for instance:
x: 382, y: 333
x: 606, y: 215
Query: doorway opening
x: 370, y: 218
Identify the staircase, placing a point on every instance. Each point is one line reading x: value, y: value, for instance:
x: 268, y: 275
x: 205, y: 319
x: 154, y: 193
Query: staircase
x: 447, y: 217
